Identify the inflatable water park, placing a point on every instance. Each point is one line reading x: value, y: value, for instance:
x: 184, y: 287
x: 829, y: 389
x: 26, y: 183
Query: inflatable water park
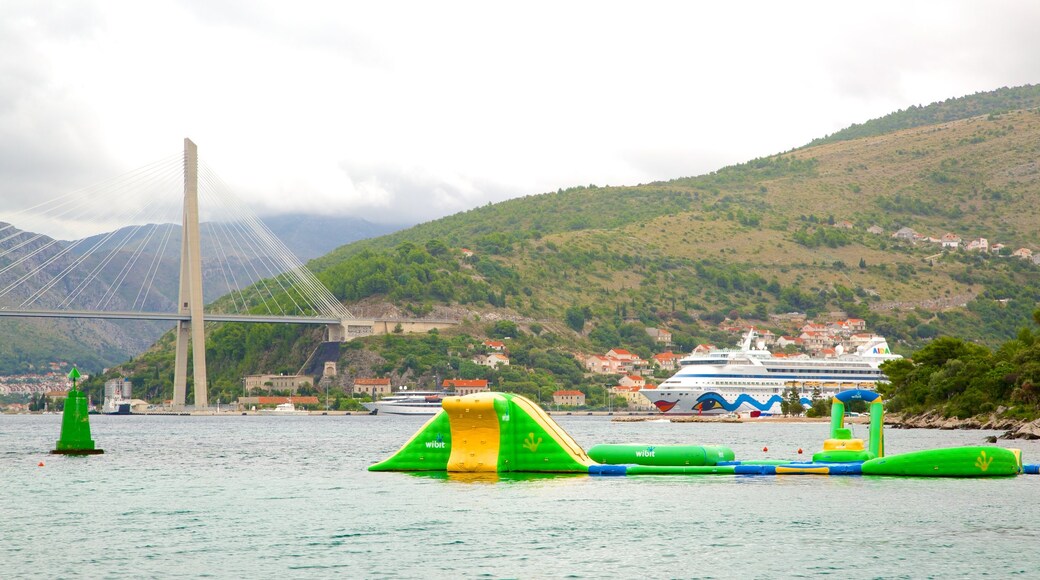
x: 503, y: 432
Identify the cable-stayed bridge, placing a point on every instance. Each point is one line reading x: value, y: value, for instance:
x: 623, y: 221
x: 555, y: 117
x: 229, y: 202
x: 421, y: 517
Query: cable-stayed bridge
x: 232, y: 264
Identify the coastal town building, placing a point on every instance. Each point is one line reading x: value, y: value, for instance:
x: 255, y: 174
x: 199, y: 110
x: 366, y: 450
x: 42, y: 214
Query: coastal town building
x: 634, y: 401
x: 666, y: 360
x: 632, y: 381
x: 31, y: 383
x: 495, y: 345
x: 465, y: 386
x: 660, y: 335
x: 491, y: 360
x: 950, y: 241
x: 906, y: 234
x: 615, y: 361
x: 291, y: 383
x: 978, y: 245
x: 374, y: 388
x: 569, y: 398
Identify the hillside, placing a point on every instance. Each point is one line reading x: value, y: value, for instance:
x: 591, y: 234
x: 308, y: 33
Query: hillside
x: 588, y: 268
x: 999, y: 101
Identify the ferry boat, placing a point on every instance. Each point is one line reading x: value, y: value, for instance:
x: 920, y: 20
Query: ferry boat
x: 409, y: 403
x: 749, y: 379
x: 116, y: 405
x: 118, y: 394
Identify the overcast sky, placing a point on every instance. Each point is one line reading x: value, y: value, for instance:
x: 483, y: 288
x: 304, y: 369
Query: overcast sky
x: 405, y: 112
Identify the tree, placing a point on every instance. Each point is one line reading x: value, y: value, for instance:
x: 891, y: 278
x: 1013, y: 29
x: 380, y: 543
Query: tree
x: 575, y: 318
x: 792, y: 402
x: 503, y: 329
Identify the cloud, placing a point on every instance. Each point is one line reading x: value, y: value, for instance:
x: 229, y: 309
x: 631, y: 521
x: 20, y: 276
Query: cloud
x: 411, y: 111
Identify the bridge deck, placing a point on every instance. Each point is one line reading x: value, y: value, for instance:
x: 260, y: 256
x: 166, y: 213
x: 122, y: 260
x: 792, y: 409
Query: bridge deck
x: 174, y: 316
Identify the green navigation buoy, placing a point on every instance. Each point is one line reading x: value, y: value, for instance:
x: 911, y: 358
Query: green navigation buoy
x: 75, y: 425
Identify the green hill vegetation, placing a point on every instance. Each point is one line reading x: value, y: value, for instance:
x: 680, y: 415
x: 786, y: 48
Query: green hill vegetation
x: 999, y: 101
x: 962, y: 379
x: 582, y: 270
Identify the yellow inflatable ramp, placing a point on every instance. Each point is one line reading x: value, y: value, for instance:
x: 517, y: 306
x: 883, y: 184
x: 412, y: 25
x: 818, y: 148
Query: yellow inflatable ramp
x: 475, y: 436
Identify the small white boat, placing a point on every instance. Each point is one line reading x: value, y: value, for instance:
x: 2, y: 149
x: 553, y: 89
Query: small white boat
x: 284, y: 409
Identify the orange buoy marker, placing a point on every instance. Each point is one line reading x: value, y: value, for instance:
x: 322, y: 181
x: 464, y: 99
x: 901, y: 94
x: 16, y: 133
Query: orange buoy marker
x: 765, y: 449
x: 799, y: 451
x: 40, y: 464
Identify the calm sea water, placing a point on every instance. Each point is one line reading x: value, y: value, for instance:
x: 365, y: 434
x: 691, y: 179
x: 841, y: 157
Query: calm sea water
x: 289, y: 497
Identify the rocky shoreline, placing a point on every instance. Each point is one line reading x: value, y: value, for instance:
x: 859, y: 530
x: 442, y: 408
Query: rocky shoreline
x: 1013, y: 429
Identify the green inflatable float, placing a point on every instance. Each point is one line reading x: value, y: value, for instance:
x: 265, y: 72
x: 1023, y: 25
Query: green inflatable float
x: 502, y: 432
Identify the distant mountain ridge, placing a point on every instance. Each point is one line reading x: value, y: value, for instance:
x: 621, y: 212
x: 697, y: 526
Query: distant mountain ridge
x: 99, y: 343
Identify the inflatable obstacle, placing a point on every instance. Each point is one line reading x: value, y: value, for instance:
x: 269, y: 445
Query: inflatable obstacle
x: 489, y: 432
x: 503, y: 432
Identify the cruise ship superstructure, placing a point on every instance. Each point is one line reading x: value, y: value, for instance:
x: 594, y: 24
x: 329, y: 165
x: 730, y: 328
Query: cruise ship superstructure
x: 749, y: 379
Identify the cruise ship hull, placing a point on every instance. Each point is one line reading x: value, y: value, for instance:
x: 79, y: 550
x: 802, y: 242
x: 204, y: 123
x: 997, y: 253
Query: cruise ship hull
x: 411, y: 403
x: 705, y: 401
x: 381, y: 407
x: 748, y: 380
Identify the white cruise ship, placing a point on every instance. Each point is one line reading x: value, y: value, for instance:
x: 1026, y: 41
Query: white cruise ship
x: 749, y: 379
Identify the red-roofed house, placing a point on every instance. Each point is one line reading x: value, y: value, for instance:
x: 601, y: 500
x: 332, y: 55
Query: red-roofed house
x: 813, y: 327
x: 601, y: 364
x: 855, y: 325
x: 621, y: 354
x: 631, y: 381
x: 465, y: 386
x: 569, y: 398
x: 372, y: 387
x: 467, y: 252
x: 496, y: 345
x: 666, y: 360
x: 814, y: 340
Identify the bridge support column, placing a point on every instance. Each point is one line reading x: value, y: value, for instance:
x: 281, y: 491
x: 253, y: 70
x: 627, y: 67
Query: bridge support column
x: 337, y: 333
x: 190, y: 296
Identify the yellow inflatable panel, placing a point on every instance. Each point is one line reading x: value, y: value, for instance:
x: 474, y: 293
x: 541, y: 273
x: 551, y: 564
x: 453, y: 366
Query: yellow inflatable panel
x: 843, y: 445
x: 474, y: 433
x: 781, y: 470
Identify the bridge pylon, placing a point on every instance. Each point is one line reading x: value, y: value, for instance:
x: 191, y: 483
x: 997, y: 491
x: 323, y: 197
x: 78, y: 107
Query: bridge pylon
x: 190, y: 301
